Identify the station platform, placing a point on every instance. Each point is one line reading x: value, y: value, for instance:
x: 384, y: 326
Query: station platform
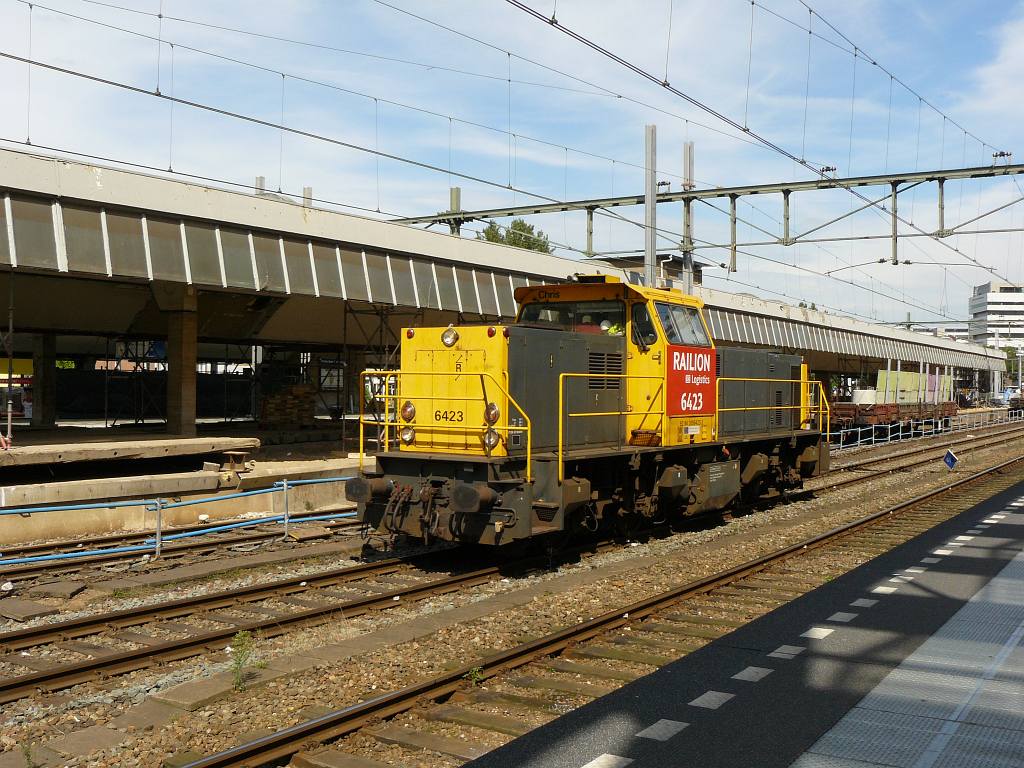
x: 912, y: 660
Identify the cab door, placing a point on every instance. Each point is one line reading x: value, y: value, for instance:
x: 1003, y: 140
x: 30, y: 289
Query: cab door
x: 645, y: 387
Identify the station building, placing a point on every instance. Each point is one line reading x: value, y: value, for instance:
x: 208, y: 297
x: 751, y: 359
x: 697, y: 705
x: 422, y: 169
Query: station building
x: 144, y: 299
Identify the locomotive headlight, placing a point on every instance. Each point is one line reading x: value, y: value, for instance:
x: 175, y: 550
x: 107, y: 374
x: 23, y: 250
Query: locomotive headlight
x: 491, y: 438
x: 491, y: 413
x: 408, y: 411
x: 408, y: 435
x: 449, y: 336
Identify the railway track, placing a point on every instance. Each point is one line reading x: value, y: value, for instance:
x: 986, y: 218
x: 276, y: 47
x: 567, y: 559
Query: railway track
x: 642, y: 633
x: 129, y: 640
x: 928, y: 455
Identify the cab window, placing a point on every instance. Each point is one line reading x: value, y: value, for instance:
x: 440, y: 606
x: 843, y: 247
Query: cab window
x: 595, y: 317
x: 644, y: 333
x: 682, y: 325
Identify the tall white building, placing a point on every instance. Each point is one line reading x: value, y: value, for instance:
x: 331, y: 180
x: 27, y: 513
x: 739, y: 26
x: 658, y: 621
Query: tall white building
x: 997, y: 313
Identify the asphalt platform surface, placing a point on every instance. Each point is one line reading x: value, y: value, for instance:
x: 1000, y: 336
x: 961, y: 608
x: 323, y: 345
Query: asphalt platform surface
x: 790, y: 682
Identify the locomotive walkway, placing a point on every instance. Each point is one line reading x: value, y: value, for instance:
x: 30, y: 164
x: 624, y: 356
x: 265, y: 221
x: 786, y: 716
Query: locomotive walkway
x: 913, y: 659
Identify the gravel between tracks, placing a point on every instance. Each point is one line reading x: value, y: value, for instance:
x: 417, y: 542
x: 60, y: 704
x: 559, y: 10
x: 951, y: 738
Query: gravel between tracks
x: 643, y: 569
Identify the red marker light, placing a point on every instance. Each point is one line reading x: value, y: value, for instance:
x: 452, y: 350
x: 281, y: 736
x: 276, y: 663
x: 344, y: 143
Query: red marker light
x: 409, y: 333
x: 504, y: 331
x: 491, y: 332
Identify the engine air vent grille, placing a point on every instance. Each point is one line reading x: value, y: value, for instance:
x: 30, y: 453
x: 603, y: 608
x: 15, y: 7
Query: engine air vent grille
x: 602, y: 365
x: 778, y: 406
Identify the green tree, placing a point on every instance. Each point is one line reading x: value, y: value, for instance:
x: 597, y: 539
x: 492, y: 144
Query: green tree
x: 519, y: 235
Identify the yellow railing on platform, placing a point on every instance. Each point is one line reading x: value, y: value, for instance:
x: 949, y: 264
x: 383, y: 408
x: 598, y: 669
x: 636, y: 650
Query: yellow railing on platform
x: 562, y: 415
x: 386, y: 377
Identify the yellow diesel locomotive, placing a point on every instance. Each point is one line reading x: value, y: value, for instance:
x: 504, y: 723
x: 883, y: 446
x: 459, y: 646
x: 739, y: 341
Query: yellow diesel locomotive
x: 604, y: 405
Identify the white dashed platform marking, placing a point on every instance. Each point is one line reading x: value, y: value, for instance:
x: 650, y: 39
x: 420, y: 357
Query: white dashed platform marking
x: 663, y: 730
x: 818, y: 633
x: 901, y: 579
x: 609, y: 761
x: 943, y: 552
x: 787, y: 651
x: 863, y: 602
x: 915, y: 570
x: 931, y: 560
x: 843, y: 617
x: 884, y: 590
x: 965, y: 538
x: 711, y: 700
x: 753, y: 674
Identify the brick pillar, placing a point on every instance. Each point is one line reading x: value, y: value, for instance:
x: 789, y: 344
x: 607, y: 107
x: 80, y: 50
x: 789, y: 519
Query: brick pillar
x: 181, y: 374
x: 44, y: 379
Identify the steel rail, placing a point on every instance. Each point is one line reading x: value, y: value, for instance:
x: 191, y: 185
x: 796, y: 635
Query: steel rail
x: 67, y: 676
x: 337, y: 724
x: 831, y: 486
x: 914, y: 451
x: 130, y: 617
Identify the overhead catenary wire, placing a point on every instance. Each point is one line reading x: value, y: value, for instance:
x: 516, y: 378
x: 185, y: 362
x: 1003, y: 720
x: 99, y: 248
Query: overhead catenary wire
x: 850, y: 51
x: 819, y: 172
x: 610, y: 220
x: 294, y: 131
x: 298, y: 78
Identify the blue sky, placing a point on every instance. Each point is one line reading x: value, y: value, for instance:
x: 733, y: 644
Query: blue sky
x: 373, y: 75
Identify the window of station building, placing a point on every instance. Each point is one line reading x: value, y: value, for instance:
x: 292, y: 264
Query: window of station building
x: 380, y: 282
x: 33, y: 233
x: 268, y: 263
x: 401, y: 276
x: 203, y: 259
x: 325, y: 259
x: 485, y: 288
x: 355, y: 278
x: 165, y: 251
x: 506, y: 303
x: 446, y: 288
x: 127, y: 249
x: 234, y: 244
x: 83, y: 234
x: 594, y: 317
x: 682, y: 325
x: 467, y: 290
x: 425, y: 288
x: 300, y: 272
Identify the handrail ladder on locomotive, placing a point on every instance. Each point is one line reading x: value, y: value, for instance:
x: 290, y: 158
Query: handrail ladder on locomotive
x: 604, y: 405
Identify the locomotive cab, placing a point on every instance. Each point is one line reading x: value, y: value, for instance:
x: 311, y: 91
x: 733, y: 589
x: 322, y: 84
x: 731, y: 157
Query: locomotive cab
x: 604, y: 404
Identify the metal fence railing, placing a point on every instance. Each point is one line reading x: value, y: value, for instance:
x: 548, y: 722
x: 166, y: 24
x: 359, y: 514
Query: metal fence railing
x: 880, y: 434
x: 155, y: 544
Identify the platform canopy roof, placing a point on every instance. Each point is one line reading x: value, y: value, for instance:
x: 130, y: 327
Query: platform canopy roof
x: 98, y: 246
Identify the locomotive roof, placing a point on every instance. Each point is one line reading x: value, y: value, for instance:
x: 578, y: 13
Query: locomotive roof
x: 584, y: 285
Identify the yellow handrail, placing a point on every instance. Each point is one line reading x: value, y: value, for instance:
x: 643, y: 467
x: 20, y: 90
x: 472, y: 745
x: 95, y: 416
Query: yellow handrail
x: 562, y: 414
x: 822, y: 401
x: 398, y: 375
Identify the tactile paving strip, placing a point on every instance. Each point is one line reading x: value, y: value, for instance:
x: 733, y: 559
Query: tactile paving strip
x: 879, y: 738
x: 957, y: 701
x: 927, y: 694
x: 974, y: 746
